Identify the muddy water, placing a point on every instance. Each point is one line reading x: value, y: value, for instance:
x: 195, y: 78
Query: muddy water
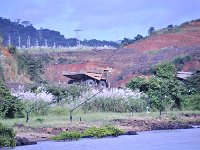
x: 183, y: 139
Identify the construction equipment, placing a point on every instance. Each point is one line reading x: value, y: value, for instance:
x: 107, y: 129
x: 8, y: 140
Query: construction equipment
x: 93, y: 78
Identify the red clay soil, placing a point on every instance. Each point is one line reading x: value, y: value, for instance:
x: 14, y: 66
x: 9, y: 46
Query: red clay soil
x: 192, y: 65
x: 189, y: 35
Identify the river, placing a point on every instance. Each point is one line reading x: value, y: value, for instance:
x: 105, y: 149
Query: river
x: 182, y: 139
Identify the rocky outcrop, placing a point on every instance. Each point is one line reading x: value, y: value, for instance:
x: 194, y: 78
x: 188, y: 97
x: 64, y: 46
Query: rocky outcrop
x: 20, y: 141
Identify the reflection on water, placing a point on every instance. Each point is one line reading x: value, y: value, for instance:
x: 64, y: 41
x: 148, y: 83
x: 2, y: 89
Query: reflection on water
x: 184, y: 139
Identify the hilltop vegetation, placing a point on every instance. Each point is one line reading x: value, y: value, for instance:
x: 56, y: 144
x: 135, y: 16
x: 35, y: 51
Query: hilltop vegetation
x: 25, y: 29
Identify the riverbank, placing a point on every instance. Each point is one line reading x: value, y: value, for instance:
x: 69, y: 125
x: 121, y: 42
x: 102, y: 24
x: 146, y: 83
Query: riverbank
x: 44, y: 132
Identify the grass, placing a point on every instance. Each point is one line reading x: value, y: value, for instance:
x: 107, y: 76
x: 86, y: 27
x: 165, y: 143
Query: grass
x: 95, y: 118
x: 90, y: 132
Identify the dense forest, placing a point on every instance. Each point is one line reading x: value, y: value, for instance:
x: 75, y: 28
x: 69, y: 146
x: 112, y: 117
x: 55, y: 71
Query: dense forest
x: 28, y: 34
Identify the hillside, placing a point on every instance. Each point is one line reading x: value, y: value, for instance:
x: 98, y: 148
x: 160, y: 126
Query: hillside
x: 181, y: 46
x: 185, y: 35
x: 26, y: 31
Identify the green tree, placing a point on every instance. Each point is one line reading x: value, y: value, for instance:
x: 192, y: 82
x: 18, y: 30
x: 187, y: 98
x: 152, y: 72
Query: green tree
x: 170, y: 27
x: 193, y: 83
x: 151, y: 30
x: 163, y: 89
x: 10, y: 106
x: 165, y: 70
x: 138, y: 37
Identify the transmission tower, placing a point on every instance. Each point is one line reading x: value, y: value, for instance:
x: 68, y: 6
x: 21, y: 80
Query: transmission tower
x: 46, y: 45
x: 9, y: 40
x: 28, y: 42
x: 19, y: 41
x: 77, y: 31
x: 36, y: 43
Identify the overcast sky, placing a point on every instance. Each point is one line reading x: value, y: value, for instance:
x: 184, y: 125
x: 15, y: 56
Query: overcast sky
x: 101, y: 19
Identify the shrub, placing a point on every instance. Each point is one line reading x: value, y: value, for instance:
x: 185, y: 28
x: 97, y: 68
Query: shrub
x: 7, y: 136
x: 90, y: 132
x: 192, y: 102
x: 102, y: 132
x: 72, y: 135
x: 10, y: 106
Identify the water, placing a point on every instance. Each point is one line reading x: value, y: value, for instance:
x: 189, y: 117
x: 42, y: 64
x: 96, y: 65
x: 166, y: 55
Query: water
x: 183, y: 139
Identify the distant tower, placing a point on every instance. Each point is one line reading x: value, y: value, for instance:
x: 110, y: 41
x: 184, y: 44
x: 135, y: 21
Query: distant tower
x: 28, y: 42
x: 46, y: 45
x: 19, y: 41
x: 54, y: 44
x: 77, y: 36
x: 36, y: 43
x: 9, y: 40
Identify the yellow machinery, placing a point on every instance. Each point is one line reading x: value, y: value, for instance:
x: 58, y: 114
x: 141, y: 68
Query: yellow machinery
x: 93, y: 78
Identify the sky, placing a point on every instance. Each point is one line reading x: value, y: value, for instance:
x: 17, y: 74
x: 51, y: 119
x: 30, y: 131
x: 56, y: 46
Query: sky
x: 101, y: 19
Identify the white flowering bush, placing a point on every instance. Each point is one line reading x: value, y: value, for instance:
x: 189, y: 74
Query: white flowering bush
x: 116, y: 100
x: 37, y: 102
x: 39, y: 95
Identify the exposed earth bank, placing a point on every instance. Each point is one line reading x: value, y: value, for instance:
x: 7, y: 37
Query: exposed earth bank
x: 131, y: 126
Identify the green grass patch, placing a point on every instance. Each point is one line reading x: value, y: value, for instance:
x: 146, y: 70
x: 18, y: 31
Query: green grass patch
x: 70, y: 135
x: 103, y: 132
x: 90, y: 132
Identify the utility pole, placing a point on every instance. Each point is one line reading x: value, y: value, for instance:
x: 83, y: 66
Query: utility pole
x: 54, y: 45
x: 46, y: 45
x: 28, y: 42
x: 19, y: 40
x: 77, y: 36
x: 9, y: 41
x: 36, y: 43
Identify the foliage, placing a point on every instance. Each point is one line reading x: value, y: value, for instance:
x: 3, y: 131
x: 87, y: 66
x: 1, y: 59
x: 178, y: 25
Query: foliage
x: 76, y: 94
x: 59, y: 92
x: 192, y: 102
x: 164, y: 90
x: 126, y: 41
x: 138, y: 37
x: 170, y: 27
x: 10, y: 106
x: 181, y: 61
x: 36, y: 101
x: 70, y: 135
x: 40, y: 120
x: 58, y: 110
x: 66, y: 61
x: 7, y: 136
x: 33, y: 65
x: 193, y: 83
x: 112, y: 104
x: 102, y: 132
x: 165, y: 70
x: 138, y: 83
x: 90, y: 132
x: 151, y: 30
x: 116, y: 100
